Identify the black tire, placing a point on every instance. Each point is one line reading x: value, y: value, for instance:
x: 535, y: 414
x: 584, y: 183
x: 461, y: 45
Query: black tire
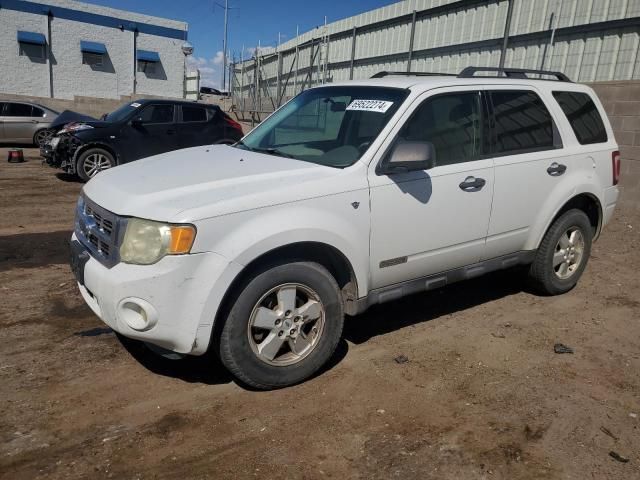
x: 93, y: 155
x: 41, y: 136
x: 544, y: 277
x: 235, y: 348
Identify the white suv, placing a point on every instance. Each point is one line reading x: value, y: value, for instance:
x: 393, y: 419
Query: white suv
x: 349, y: 195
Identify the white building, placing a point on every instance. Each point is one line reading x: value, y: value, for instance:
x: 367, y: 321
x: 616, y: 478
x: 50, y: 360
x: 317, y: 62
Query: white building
x: 64, y: 48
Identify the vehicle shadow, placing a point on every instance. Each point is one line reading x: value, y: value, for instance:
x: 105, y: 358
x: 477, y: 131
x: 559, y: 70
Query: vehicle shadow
x: 68, y: 177
x: 379, y: 320
x: 423, y: 307
x: 34, y: 250
x: 205, y: 369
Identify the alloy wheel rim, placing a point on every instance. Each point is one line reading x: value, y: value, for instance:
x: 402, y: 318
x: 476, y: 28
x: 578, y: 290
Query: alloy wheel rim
x: 42, y: 137
x: 95, y: 163
x: 286, y: 324
x: 569, y: 252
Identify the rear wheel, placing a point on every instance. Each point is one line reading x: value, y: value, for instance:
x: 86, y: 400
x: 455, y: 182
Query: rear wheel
x: 42, y: 136
x: 93, y: 161
x: 563, y: 254
x: 284, y: 325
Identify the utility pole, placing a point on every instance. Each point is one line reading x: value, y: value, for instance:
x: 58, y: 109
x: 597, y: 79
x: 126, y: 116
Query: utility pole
x: 224, y: 46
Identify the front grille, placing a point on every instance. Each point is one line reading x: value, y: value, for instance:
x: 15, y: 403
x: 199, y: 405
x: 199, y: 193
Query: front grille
x: 99, y: 231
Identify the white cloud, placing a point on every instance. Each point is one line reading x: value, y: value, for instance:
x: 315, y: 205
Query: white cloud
x: 209, y: 74
x: 218, y: 59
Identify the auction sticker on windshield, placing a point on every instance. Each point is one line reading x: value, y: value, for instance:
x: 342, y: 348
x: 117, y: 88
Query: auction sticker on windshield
x: 380, y: 106
x: 135, y: 105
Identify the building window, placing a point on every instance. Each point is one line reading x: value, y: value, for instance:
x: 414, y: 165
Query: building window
x: 92, y: 59
x: 146, y: 67
x: 31, y: 50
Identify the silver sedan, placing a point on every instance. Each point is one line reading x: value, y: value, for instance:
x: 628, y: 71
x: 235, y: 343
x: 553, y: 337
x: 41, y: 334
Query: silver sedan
x: 24, y: 122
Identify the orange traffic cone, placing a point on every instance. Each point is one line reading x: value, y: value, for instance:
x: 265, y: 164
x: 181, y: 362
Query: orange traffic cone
x: 15, y: 156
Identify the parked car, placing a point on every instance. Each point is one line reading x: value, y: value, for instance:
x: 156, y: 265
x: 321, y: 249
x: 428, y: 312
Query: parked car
x: 348, y: 196
x: 136, y: 130
x: 25, y: 122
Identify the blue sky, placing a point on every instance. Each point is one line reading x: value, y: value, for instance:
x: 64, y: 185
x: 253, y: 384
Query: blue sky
x: 250, y: 21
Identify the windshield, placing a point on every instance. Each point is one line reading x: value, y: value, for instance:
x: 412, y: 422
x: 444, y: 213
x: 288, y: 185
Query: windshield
x: 122, y: 112
x: 332, y: 126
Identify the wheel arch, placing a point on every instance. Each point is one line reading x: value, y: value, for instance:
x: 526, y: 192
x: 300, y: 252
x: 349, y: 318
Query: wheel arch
x: 586, y: 201
x: 324, y: 254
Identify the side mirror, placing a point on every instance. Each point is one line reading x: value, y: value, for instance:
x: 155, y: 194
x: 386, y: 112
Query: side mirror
x: 409, y: 157
x: 136, y: 122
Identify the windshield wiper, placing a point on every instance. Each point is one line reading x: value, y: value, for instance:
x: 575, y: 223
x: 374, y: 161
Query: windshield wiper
x: 269, y: 151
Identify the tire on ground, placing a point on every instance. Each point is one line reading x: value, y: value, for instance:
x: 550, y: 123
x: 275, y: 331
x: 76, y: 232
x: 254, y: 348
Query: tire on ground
x: 82, y: 165
x: 234, y: 347
x: 542, y: 274
x: 41, y: 136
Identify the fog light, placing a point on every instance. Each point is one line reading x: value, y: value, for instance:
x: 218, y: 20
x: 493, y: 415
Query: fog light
x: 137, y: 314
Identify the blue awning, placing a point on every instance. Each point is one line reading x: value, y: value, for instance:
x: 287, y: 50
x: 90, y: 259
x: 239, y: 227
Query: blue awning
x: 148, y: 56
x: 93, y: 47
x: 31, y: 37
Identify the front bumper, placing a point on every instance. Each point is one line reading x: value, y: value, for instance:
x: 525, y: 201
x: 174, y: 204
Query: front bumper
x: 180, y: 295
x: 63, y: 155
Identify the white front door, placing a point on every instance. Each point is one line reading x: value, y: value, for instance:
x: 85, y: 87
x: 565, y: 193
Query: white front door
x: 429, y: 221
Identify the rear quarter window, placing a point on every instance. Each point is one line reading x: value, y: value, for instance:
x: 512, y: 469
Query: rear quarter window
x: 583, y: 116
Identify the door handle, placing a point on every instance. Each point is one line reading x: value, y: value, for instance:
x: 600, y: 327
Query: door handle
x: 556, y: 169
x: 472, y: 184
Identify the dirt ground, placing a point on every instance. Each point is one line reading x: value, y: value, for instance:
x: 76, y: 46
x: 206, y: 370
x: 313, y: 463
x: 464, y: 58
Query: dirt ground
x: 482, y: 395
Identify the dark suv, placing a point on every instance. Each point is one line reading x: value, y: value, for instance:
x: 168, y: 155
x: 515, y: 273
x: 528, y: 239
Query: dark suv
x: 137, y: 130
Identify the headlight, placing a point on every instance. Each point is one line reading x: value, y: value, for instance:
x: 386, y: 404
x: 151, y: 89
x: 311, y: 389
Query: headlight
x: 145, y: 242
x: 75, y: 127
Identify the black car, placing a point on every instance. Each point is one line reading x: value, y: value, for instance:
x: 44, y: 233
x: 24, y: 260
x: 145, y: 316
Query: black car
x: 137, y: 130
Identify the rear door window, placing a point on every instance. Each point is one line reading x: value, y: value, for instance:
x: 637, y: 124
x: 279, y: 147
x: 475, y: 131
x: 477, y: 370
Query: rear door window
x: 521, y: 123
x: 583, y: 116
x: 193, y: 114
x: 157, y: 114
x: 18, y: 110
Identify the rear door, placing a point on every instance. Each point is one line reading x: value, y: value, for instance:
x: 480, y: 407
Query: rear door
x: 152, y: 131
x: 530, y: 163
x: 19, y: 125
x: 195, y: 126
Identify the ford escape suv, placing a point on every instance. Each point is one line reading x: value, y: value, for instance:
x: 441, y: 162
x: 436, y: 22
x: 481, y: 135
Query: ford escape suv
x: 349, y: 195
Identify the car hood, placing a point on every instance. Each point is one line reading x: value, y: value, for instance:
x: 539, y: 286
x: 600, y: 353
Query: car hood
x: 202, y: 182
x: 69, y: 116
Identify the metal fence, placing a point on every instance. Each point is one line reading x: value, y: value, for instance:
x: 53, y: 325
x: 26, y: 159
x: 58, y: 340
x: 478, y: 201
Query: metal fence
x: 589, y: 40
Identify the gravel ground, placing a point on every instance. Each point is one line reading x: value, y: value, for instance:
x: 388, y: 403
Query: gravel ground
x: 480, y: 394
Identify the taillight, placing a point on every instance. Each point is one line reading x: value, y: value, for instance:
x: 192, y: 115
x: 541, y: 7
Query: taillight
x: 232, y: 123
x: 615, y: 165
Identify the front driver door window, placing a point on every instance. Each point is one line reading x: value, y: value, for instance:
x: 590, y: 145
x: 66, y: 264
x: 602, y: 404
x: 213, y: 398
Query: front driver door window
x: 154, y: 133
x: 426, y: 222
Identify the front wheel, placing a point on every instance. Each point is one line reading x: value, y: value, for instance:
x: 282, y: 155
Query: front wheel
x: 563, y: 254
x: 284, y: 325
x: 93, y: 161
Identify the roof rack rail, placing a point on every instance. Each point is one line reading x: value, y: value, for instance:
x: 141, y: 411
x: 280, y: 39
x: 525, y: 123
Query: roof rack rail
x: 385, y: 73
x: 470, y: 72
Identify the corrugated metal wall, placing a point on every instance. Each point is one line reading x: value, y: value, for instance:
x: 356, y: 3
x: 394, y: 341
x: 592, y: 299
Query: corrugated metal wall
x: 593, y: 40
